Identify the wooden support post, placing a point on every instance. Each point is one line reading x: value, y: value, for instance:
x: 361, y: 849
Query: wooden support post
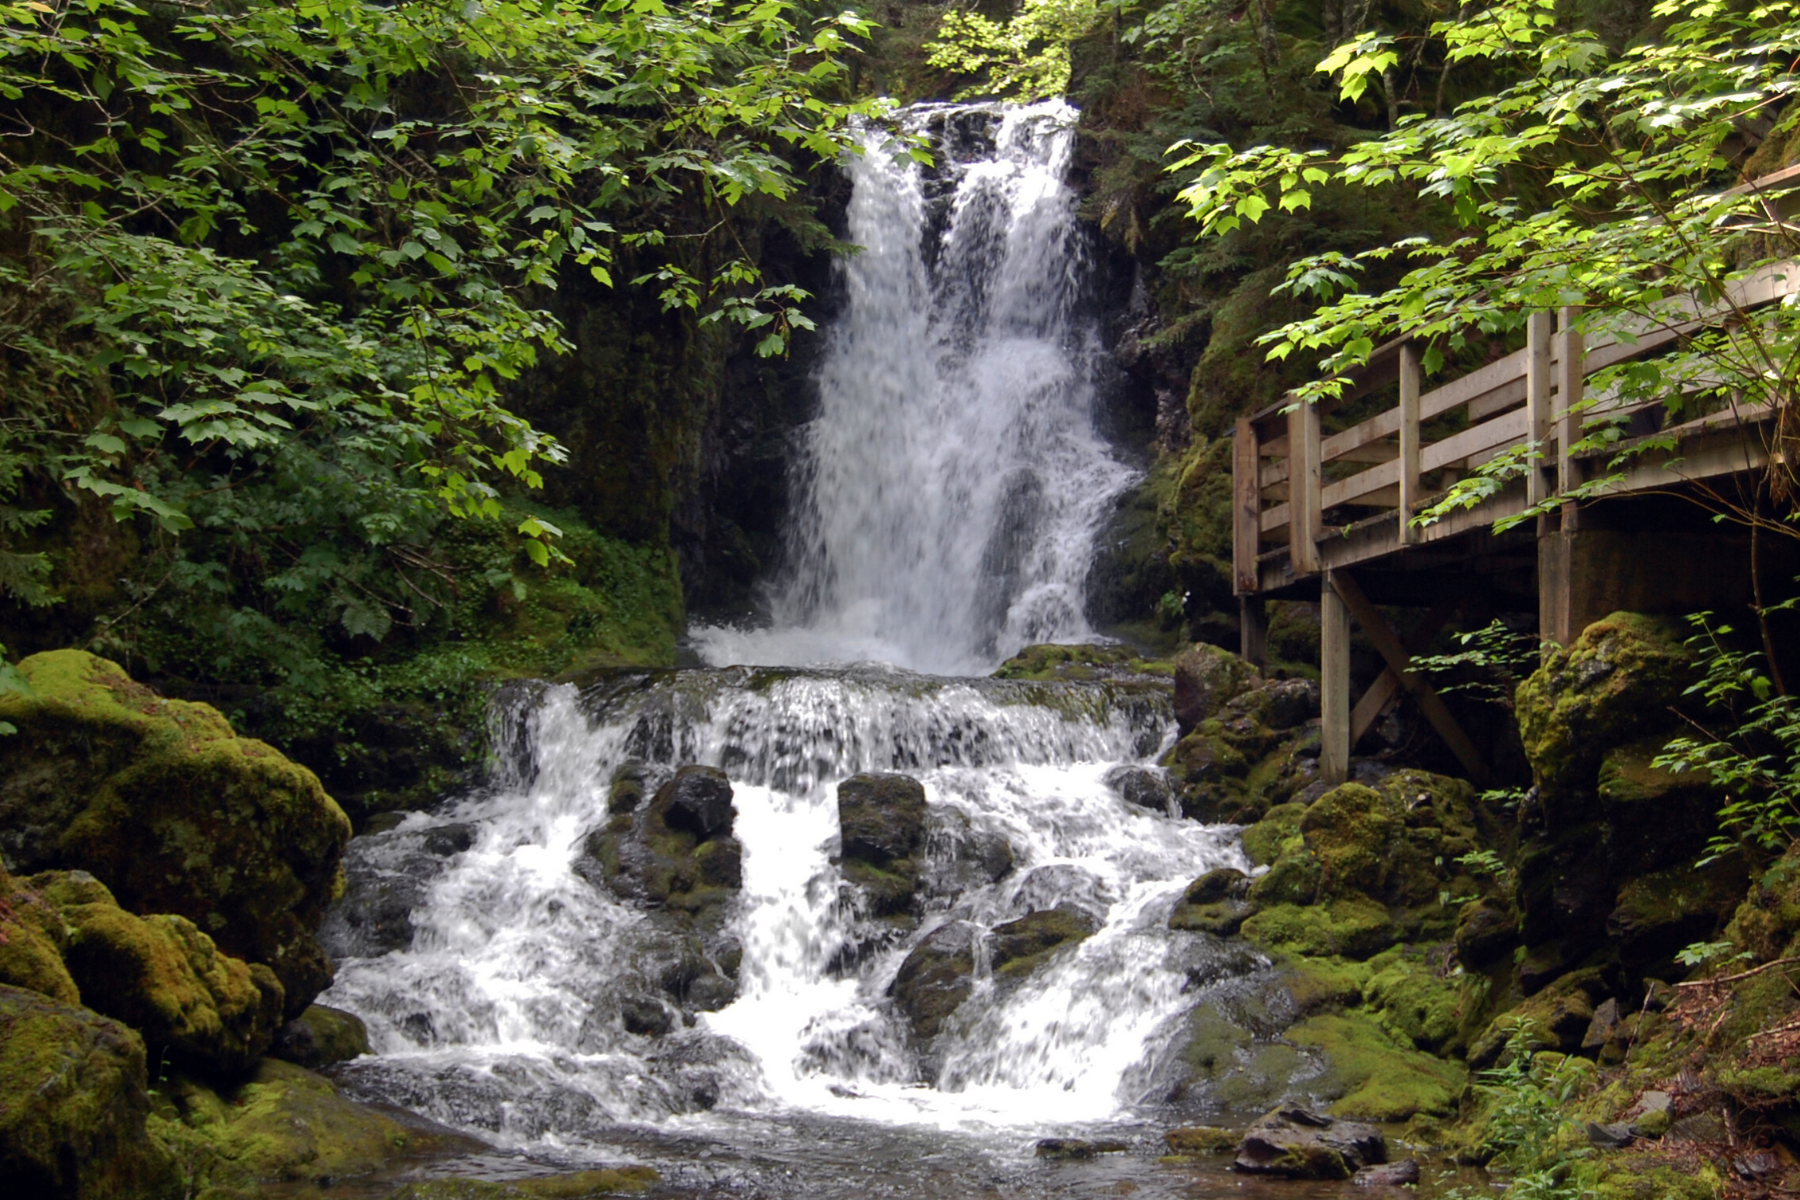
x: 1303, y: 487
x: 1430, y: 703
x: 1569, y: 375
x: 1253, y: 630
x: 1387, y: 688
x: 1334, y: 684
x: 1537, y: 399
x: 1246, y: 508
x: 1409, y: 442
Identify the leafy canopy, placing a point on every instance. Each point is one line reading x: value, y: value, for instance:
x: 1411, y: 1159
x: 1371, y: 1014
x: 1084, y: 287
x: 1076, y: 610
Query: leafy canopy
x: 1589, y: 178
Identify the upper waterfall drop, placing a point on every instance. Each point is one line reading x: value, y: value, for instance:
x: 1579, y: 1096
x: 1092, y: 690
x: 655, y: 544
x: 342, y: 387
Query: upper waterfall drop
x: 951, y: 486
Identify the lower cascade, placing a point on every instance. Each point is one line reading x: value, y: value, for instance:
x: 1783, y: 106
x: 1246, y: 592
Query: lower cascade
x: 596, y: 941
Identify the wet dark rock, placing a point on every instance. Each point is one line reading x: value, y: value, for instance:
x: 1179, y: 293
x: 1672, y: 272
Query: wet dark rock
x: 696, y: 801
x: 881, y: 820
x: 645, y: 1016
x: 386, y: 877
x: 936, y: 977
x: 1192, y: 1141
x: 1282, y: 704
x: 1063, y: 885
x: 1077, y: 1148
x: 1146, y: 787
x: 1485, y: 932
x: 959, y: 858
x: 1206, y: 678
x: 445, y: 840
x: 630, y: 784
x: 1214, y: 903
x: 1018, y: 947
x: 321, y: 1037
x: 1758, y: 1164
x: 1297, y: 1144
x: 1399, y: 1174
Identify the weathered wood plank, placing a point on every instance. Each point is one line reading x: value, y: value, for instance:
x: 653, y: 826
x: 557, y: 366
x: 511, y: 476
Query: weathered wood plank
x: 1334, y: 684
x: 1303, y: 489
x: 1246, y: 534
x: 1537, y: 398
x: 1409, y: 442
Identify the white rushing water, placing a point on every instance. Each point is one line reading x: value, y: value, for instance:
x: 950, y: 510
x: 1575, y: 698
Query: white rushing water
x: 504, y: 1012
x: 950, y: 488
x: 512, y: 980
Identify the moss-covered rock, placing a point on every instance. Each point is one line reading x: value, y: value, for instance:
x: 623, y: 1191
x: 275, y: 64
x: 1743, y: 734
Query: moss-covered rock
x: 1556, y: 1018
x: 165, y: 978
x: 1352, y: 927
x: 881, y: 821
x: 1049, y: 663
x: 1197, y: 1141
x: 1295, y: 1143
x: 1265, y: 840
x: 1655, y: 817
x: 73, y: 1105
x: 1414, y: 995
x: 32, y: 940
x: 1655, y: 915
x: 1612, y: 686
x: 675, y: 853
x: 577, y: 1185
x: 321, y: 1037
x: 283, y: 1123
x: 1016, y: 948
x: 1214, y: 903
x: 1768, y: 919
x: 1369, y: 1076
x: 175, y: 812
x: 1206, y: 678
x: 936, y: 978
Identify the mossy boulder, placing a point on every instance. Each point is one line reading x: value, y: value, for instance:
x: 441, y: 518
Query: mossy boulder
x: 165, y: 978
x: 936, y: 977
x: 33, y: 937
x: 1415, y: 995
x: 674, y: 853
x: 1016, y: 948
x: 1370, y: 1076
x: 1214, y: 903
x: 1655, y: 915
x: 1295, y: 1143
x: 1655, y: 817
x: 282, y: 1124
x: 1557, y: 1018
x: 1612, y: 686
x: 321, y: 1037
x: 881, y: 822
x: 175, y: 812
x: 1353, y: 927
x: 1049, y: 663
x: 577, y: 1185
x: 1766, y: 923
x: 74, y: 1104
x: 1197, y: 1141
x: 1206, y: 678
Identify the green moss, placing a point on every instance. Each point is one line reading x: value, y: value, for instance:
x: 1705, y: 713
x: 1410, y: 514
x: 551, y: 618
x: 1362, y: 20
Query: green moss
x: 1194, y: 1141
x: 1634, y: 1179
x: 32, y: 940
x: 164, y: 977
x: 1413, y: 996
x: 1352, y: 927
x: 1263, y: 841
x: 1047, y: 662
x: 1319, y: 985
x: 1370, y: 1076
x: 282, y: 1124
x: 73, y: 1105
x: 1019, y: 947
x: 616, y: 1181
x: 1613, y: 685
x: 175, y: 812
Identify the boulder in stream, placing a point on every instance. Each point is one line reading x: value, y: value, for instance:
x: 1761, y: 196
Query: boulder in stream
x: 936, y: 977
x: 881, y: 819
x: 1296, y: 1143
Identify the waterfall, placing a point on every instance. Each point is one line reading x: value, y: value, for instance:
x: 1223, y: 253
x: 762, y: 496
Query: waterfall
x: 952, y: 483
x: 526, y: 973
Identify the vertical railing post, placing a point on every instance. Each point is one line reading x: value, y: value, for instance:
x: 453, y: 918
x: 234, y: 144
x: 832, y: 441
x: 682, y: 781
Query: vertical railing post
x: 1537, y: 400
x: 1303, y: 487
x: 1334, y: 684
x: 1569, y: 385
x: 1409, y: 442
x: 1246, y: 509
x: 1253, y: 630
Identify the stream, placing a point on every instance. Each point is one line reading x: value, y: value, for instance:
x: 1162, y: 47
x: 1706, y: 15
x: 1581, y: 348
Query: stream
x: 950, y: 491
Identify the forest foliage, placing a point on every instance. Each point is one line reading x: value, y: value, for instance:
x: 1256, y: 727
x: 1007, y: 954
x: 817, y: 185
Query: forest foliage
x: 269, y: 271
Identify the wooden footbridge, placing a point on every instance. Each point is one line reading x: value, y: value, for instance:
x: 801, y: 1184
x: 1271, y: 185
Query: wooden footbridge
x: 1327, y: 516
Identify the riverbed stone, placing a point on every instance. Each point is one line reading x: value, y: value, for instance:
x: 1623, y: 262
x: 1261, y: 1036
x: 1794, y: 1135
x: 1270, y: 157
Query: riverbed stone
x: 1143, y: 787
x: 1017, y: 948
x: 73, y: 1104
x: 577, y: 1185
x: 1214, y: 903
x: 321, y: 1037
x: 1295, y: 1143
x: 173, y: 811
x: 936, y: 977
x: 882, y: 825
x: 696, y: 801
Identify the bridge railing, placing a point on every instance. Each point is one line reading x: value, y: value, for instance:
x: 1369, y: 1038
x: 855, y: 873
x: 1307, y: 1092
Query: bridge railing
x: 1290, y: 477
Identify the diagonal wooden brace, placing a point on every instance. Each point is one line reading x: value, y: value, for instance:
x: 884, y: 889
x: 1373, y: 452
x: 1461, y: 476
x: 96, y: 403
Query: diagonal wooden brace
x: 1387, y: 688
x: 1429, y: 702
